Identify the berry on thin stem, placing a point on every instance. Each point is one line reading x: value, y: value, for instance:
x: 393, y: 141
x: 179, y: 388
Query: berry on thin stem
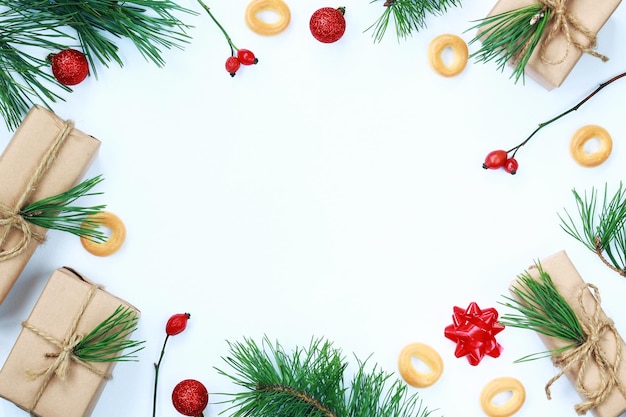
x: 510, y: 154
x: 232, y: 65
x: 495, y: 159
x: 246, y: 57
x: 237, y: 56
x: 175, y: 324
x: 511, y: 166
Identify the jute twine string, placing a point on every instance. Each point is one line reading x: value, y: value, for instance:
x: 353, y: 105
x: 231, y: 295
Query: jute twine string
x: 564, y: 22
x: 10, y: 217
x: 590, y: 351
x: 65, y: 356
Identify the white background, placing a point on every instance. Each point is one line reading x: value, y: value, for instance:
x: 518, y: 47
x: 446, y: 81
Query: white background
x: 332, y: 190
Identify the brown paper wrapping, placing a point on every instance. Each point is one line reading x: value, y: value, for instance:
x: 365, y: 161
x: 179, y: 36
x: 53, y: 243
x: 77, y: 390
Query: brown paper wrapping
x: 54, y: 313
x: 21, y: 156
x: 569, y: 282
x: 592, y: 14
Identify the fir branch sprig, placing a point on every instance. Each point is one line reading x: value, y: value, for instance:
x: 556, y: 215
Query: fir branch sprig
x: 408, y: 16
x: 600, y: 226
x: 150, y: 25
x: 541, y: 308
x: 107, y: 341
x: 23, y: 75
x: 309, y: 382
x: 510, y: 37
x: 58, y: 213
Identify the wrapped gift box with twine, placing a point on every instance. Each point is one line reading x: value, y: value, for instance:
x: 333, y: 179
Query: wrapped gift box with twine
x: 559, y: 33
x: 45, y: 157
x: 552, y: 299
x: 57, y: 367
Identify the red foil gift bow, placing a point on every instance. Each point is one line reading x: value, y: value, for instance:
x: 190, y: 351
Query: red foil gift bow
x: 474, y: 332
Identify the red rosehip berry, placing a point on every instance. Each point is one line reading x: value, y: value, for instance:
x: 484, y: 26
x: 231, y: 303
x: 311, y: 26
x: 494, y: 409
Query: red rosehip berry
x: 495, y: 159
x: 510, y: 166
x: 328, y: 24
x: 69, y: 66
x: 246, y: 57
x: 190, y: 398
x: 232, y: 65
x: 177, y: 323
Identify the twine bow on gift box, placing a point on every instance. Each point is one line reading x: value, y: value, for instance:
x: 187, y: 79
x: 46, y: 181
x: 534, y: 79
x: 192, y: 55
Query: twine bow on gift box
x: 565, y: 22
x: 103, y: 344
x: 595, y: 327
x: 512, y: 36
x: 51, y: 213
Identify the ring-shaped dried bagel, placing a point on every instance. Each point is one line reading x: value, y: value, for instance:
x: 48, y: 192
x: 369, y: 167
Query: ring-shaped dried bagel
x: 580, y: 138
x: 426, y: 354
x: 262, y: 27
x: 460, y: 54
x: 500, y: 386
x: 115, y: 239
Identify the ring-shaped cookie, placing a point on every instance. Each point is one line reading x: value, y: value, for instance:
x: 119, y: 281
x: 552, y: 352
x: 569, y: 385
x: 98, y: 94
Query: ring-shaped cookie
x: 115, y: 239
x: 459, y: 49
x: 499, y: 386
x: 268, y: 28
x: 426, y: 354
x: 580, y: 138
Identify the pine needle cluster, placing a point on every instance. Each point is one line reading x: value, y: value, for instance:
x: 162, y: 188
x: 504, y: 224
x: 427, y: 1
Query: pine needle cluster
x: 541, y: 308
x: 408, y: 16
x: 510, y: 37
x: 309, y: 382
x: 600, y: 225
x: 58, y: 212
x: 107, y: 341
x: 31, y: 30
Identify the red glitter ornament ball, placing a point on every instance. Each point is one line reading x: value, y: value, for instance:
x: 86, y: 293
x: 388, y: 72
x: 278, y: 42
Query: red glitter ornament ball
x: 190, y: 398
x: 328, y: 24
x: 69, y: 66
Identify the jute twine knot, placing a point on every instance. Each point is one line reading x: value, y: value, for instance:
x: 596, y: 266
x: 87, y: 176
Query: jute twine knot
x: 65, y: 355
x: 564, y: 22
x: 595, y: 327
x: 11, y: 218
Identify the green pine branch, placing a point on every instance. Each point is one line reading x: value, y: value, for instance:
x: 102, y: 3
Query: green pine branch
x: 407, y: 16
x: 58, y: 213
x: 31, y: 30
x: 309, y: 382
x: 151, y: 25
x: 600, y: 225
x: 109, y: 339
x: 24, y: 75
x: 510, y: 37
x: 541, y: 308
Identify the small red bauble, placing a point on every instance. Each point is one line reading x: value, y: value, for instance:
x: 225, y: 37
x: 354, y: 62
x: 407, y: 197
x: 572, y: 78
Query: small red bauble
x: 177, y: 323
x: 511, y: 166
x: 246, y: 57
x: 328, y: 24
x: 190, y: 398
x: 495, y: 159
x: 232, y: 65
x: 69, y: 66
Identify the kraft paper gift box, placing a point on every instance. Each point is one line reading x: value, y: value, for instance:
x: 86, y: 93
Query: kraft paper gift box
x: 571, y: 286
x: 59, y: 308
x: 593, y: 14
x: 32, y: 147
